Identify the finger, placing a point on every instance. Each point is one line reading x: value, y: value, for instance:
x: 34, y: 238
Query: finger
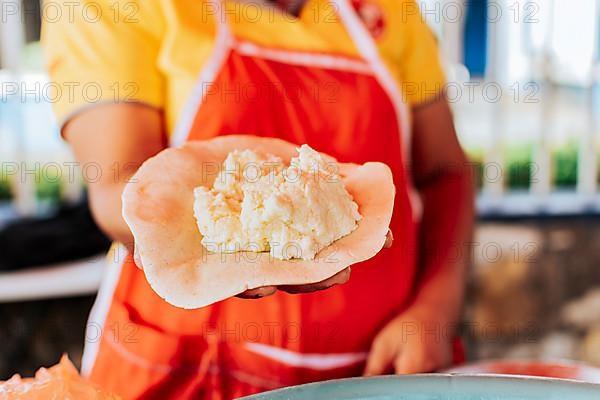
x: 410, y: 362
x: 389, y: 239
x: 406, y: 363
x: 380, y: 358
x: 338, y: 279
x: 258, y: 292
x: 134, y: 251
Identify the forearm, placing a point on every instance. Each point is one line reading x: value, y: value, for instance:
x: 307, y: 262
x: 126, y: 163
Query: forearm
x: 446, y: 232
x: 444, y: 181
x: 420, y: 339
x: 105, y: 195
x: 117, y: 139
x: 105, y: 204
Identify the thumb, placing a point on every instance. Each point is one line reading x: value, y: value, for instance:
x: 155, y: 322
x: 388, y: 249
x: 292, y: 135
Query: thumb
x: 380, y: 357
x: 133, y: 250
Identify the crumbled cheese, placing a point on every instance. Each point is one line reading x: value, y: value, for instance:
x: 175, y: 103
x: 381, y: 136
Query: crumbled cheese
x: 259, y: 204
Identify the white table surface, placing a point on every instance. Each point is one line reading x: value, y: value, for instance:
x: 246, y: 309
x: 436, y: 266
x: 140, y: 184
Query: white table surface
x: 60, y: 280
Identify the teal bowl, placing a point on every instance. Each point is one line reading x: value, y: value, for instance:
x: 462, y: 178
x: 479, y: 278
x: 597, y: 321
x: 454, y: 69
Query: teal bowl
x: 438, y: 387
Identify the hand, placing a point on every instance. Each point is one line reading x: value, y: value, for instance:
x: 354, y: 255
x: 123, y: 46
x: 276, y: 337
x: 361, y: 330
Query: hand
x: 338, y: 279
x: 414, y: 342
x: 133, y: 251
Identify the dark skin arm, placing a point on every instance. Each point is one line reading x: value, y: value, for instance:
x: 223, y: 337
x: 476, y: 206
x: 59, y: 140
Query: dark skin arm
x: 442, y: 177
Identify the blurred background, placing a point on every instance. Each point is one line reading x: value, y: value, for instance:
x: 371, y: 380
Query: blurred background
x: 523, y: 80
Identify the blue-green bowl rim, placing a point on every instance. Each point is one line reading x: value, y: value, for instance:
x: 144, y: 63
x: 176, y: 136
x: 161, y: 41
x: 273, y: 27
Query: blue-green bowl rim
x: 503, y: 377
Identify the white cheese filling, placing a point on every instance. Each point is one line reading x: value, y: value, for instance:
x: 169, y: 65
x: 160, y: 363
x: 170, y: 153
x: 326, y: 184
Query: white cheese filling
x: 258, y: 203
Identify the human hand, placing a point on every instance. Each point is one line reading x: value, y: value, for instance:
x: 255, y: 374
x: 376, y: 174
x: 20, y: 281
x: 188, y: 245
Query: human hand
x: 413, y: 342
x: 337, y: 279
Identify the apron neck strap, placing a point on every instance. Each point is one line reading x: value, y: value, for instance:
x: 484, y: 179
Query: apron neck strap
x: 357, y: 30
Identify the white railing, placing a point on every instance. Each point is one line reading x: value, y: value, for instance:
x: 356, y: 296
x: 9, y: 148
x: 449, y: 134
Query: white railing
x: 543, y: 127
x: 543, y: 56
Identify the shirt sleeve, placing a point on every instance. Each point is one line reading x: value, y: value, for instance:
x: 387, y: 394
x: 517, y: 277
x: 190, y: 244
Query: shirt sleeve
x: 422, y: 73
x: 99, y: 51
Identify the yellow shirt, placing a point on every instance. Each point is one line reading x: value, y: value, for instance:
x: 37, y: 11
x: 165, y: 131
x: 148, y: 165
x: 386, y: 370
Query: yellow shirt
x: 152, y: 51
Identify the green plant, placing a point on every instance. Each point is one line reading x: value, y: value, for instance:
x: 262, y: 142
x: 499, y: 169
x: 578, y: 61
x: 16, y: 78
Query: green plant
x: 5, y: 192
x: 519, y: 165
x: 475, y: 157
x: 564, y: 165
x: 48, y: 185
x: 5, y: 189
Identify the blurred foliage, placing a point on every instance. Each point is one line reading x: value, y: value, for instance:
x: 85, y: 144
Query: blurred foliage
x: 48, y: 191
x: 5, y: 192
x: 48, y: 185
x: 520, y: 167
x: 5, y: 189
x: 475, y: 156
x: 564, y: 165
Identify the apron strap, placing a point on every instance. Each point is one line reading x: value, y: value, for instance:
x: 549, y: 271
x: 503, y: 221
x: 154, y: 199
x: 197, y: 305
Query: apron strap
x: 368, y: 49
x: 359, y: 35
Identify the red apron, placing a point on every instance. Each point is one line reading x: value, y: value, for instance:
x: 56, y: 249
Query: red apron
x: 141, y: 347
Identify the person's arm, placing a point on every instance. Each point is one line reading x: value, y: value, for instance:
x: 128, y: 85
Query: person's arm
x: 419, y: 339
x: 444, y: 179
x: 116, y: 138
